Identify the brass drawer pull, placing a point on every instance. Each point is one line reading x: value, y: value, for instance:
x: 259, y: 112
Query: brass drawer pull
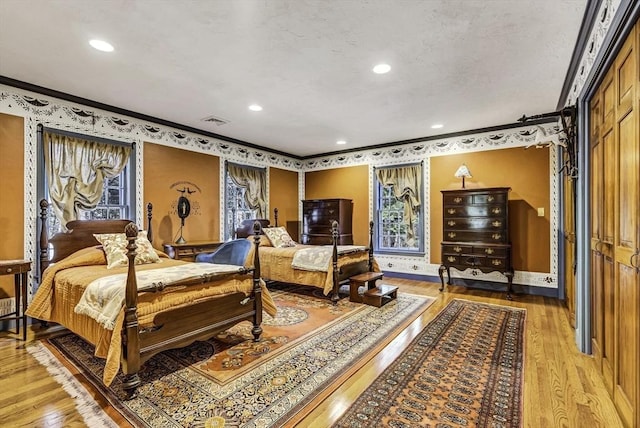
x: 634, y: 255
x: 496, y: 236
x: 9, y: 270
x: 451, y: 223
x: 457, y: 200
x: 451, y: 259
x: 491, y: 199
x: 457, y: 249
x: 497, y: 223
x: 496, y: 210
x: 496, y: 262
x: 451, y: 234
x: 451, y: 210
x: 489, y: 250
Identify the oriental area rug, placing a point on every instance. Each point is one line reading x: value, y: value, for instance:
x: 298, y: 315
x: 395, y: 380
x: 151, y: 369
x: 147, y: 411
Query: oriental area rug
x: 305, y: 352
x: 464, y: 369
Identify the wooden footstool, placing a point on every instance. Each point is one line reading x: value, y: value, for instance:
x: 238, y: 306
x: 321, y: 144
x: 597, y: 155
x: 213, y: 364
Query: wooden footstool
x: 381, y: 295
x: 367, y: 279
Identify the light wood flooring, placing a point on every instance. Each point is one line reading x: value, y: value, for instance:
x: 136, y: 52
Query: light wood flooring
x: 561, y: 385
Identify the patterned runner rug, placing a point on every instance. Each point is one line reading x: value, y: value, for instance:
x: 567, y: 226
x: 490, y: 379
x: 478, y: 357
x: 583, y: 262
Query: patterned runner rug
x: 306, y: 351
x: 464, y: 369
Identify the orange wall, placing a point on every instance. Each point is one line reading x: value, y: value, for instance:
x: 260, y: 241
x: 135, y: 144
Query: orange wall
x: 11, y: 194
x: 167, y: 169
x: 526, y: 171
x: 283, y: 195
x: 349, y: 183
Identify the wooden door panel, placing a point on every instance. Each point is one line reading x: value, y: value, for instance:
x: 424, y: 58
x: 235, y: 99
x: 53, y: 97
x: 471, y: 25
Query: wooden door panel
x: 597, y: 308
x: 608, y: 188
x: 625, y: 77
x: 608, y: 318
x: 628, y: 184
x: 625, y: 394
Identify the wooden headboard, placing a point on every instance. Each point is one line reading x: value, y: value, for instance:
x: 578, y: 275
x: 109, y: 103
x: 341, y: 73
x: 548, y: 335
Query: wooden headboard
x: 245, y: 229
x: 79, y: 235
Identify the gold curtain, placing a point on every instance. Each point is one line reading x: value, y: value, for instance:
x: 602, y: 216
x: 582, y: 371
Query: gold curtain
x: 406, y: 182
x: 254, y: 181
x: 76, y: 170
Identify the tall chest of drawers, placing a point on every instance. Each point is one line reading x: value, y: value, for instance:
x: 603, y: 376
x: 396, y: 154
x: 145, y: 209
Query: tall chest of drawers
x: 319, y: 214
x: 476, y: 232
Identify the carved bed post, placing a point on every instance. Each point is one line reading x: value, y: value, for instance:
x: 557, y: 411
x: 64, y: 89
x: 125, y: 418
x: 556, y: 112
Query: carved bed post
x: 44, y: 241
x: 130, y: 337
x: 275, y: 215
x: 370, y: 246
x: 257, y: 290
x: 149, y: 217
x: 336, y: 284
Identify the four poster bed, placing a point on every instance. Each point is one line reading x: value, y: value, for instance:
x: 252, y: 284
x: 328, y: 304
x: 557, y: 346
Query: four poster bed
x: 342, y: 261
x: 157, y: 310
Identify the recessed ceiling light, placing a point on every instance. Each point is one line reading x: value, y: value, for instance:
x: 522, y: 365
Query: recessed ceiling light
x: 437, y: 126
x: 255, y: 107
x: 101, y: 45
x: 341, y: 142
x: 381, y: 68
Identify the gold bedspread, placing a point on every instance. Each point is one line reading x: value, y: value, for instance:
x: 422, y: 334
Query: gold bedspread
x: 275, y: 264
x: 63, y: 285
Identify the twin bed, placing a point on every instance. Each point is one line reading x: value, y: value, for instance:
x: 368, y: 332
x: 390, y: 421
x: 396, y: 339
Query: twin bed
x: 166, y: 303
x: 278, y: 263
x: 159, y: 315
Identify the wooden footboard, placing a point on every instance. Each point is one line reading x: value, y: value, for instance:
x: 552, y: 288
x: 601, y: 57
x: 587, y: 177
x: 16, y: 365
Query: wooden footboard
x: 175, y: 328
x: 346, y: 272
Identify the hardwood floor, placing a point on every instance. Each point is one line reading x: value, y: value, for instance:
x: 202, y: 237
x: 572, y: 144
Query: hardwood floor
x: 562, y: 387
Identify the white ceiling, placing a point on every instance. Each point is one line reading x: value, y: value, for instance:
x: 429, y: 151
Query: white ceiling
x: 468, y: 64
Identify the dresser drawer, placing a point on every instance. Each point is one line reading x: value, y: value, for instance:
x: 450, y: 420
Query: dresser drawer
x: 475, y: 211
x: 324, y: 229
x: 489, y: 198
x: 491, y: 251
x: 456, y: 249
x: 475, y: 223
x: 466, y: 261
x: 498, y: 237
x: 457, y: 200
x: 326, y: 239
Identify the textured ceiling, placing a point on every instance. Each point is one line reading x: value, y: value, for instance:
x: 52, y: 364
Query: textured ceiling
x: 467, y: 64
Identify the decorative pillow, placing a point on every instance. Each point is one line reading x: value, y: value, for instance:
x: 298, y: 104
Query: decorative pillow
x: 279, y: 237
x: 264, y: 241
x: 115, y: 249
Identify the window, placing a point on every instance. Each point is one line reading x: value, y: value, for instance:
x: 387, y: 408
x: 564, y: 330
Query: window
x: 113, y: 203
x: 245, y: 197
x: 399, y: 218
x: 87, y: 178
x: 237, y: 208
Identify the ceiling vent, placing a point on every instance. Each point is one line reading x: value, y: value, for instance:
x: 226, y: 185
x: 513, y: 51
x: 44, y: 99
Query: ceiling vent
x: 215, y: 120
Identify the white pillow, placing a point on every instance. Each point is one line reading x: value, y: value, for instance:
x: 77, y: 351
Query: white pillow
x: 279, y: 237
x: 115, y: 249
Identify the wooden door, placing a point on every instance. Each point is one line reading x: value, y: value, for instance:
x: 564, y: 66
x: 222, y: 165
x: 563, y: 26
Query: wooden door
x: 626, y: 242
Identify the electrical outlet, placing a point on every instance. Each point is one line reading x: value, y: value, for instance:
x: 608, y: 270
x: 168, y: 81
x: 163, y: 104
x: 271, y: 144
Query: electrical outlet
x: 541, y: 212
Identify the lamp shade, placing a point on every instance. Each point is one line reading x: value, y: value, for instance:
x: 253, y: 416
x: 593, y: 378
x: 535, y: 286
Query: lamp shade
x: 463, y: 171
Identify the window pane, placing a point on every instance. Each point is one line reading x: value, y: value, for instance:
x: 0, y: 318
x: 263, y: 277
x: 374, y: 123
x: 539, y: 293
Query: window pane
x: 114, y: 213
x: 237, y: 209
x: 114, y: 181
x: 114, y: 196
x: 392, y: 231
x: 99, y: 213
